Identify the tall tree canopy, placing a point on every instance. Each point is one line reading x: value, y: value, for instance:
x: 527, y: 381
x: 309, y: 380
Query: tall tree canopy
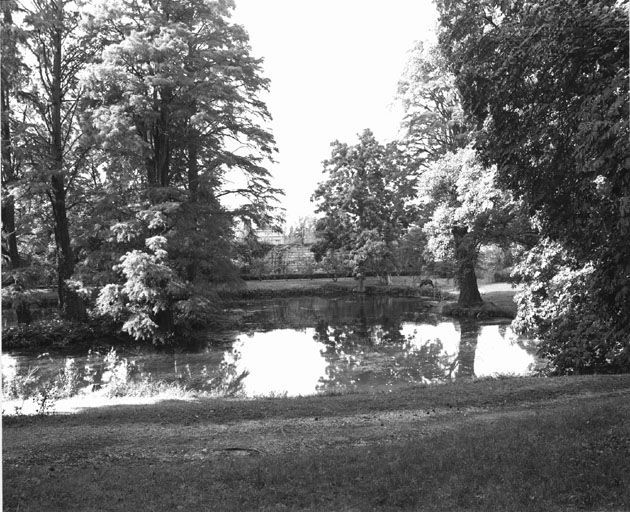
x: 141, y: 124
x: 175, y: 102
x: 45, y: 106
x: 462, y: 208
x: 468, y: 211
x: 178, y: 79
x: 547, y: 82
x: 365, y: 203
x: 434, y: 121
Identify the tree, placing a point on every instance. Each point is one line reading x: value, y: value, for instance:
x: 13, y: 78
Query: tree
x: 12, y: 72
x: 435, y: 126
x: 434, y: 122
x: 16, y: 277
x: 51, y: 104
x: 547, y: 84
x: 365, y: 203
x: 468, y: 211
x: 176, y: 113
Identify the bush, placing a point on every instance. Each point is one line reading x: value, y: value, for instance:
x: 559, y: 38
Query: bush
x: 59, y: 333
x: 556, y: 307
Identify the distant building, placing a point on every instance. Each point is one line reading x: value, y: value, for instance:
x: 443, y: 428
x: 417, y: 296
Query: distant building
x: 268, y: 236
x: 289, y: 254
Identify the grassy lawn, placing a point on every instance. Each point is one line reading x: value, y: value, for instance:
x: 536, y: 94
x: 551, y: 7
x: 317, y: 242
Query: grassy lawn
x: 513, y: 444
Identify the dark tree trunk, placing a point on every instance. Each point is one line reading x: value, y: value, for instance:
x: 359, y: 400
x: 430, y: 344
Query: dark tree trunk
x: 164, y: 320
x: 70, y: 303
x: 193, y: 169
x: 466, y: 255
x: 8, y: 171
x: 9, y: 176
x: 193, y: 193
x: 469, y: 334
x: 8, y: 229
x: 158, y: 163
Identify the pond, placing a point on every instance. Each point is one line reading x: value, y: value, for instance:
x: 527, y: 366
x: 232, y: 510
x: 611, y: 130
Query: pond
x: 303, y: 346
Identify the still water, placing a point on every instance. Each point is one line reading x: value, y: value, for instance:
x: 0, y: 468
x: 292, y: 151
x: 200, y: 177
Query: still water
x: 309, y: 345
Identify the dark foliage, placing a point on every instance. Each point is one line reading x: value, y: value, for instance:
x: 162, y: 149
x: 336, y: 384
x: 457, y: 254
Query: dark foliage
x: 547, y: 85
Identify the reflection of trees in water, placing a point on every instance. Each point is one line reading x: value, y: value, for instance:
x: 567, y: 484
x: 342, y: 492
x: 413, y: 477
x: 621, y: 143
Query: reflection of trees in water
x: 381, y: 354
x: 300, y: 312
x: 364, y: 351
x: 365, y: 341
x: 229, y: 379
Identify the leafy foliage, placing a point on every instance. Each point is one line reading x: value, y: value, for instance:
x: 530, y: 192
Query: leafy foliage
x: 468, y: 211
x: 59, y: 333
x: 139, y: 122
x: 366, y: 204
x: 434, y: 121
x: 547, y: 84
x: 557, y: 306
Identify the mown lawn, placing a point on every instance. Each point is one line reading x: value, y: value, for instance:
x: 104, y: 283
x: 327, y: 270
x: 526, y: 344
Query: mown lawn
x: 507, y: 444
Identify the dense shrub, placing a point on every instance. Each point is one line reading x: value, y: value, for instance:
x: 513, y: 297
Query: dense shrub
x: 556, y: 306
x: 60, y: 333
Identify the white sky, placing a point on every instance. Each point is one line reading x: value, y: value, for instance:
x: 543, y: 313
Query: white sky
x: 334, y: 67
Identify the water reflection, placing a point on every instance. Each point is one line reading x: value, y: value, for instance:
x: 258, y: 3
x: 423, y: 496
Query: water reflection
x: 278, y: 362
x: 310, y: 345
x: 352, y: 357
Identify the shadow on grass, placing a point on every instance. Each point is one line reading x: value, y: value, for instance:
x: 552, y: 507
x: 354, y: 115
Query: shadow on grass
x: 481, y: 393
x: 560, y: 458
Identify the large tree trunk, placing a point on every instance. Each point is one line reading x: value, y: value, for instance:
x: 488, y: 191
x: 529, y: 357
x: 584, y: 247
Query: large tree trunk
x: 193, y: 194
x: 70, y: 303
x: 158, y: 164
x: 8, y: 171
x: 8, y: 229
x: 193, y: 168
x: 466, y: 255
x: 165, y: 321
x: 10, y: 247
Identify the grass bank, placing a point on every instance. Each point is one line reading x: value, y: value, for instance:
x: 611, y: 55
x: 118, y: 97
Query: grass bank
x: 326, y: 287
x: 499, y: 296
x: 500, y: 444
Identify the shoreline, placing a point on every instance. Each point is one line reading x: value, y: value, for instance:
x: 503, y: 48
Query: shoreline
x: 499, y: 298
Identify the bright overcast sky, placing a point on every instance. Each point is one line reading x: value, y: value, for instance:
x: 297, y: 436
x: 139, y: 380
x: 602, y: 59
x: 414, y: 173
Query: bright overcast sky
x: 334, y: 66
